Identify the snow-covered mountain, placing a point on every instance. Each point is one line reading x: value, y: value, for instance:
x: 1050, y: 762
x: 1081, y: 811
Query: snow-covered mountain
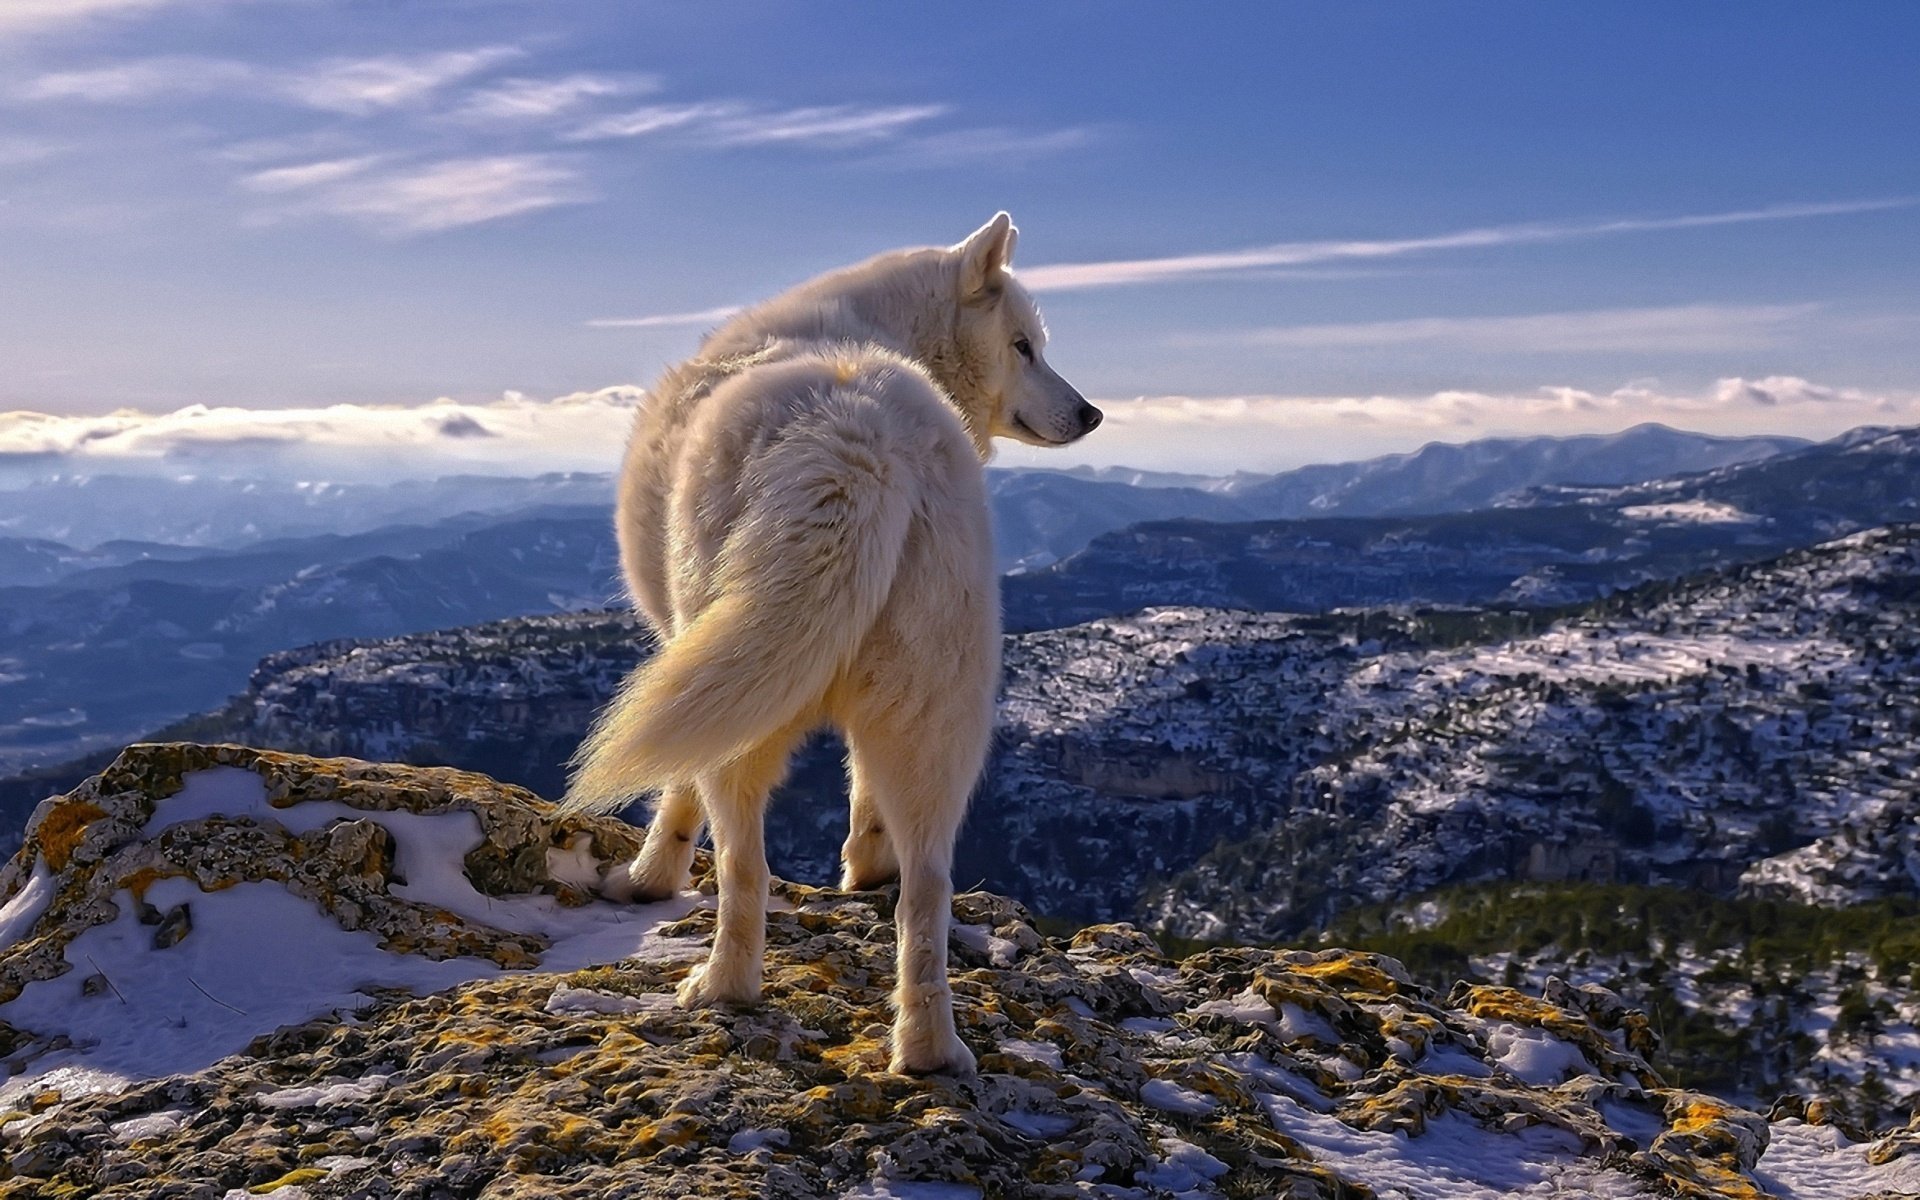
x: 1455, y: 477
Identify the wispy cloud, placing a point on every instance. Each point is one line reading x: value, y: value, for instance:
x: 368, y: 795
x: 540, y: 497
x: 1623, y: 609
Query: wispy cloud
x: 357, y: 86
x: 1003, y: 147
x: 651, y: 119
x: 313, y: 174
x: 20, y: 151
x: 141, y: 79
x: 722, y: 123
x: 1691, y: 327
x: 30, y: 15
x: 838, y: 125
x: 1127, y: 272
x: 705, y: 316
x: 526, y: 100
x: 351, y: 86
x: 429, y: 197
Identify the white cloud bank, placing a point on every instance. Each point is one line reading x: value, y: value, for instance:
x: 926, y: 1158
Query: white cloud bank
x: 516, y: 434
x: 1267, y: 432
x: 519, y: 435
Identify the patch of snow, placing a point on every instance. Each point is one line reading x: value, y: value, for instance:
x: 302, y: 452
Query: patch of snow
x: 1454, y: 1159
x: 153, y: 1125
x: 1297, y: 1024
x: 1148, y: 1025
x: 325, y: 1095
x: 1044, y: 1053
x: 1168, y: 1096
x: 1248, y: 1008
x: 575, y: 864
x: 1536, y: 1056
x: 1814, y: 1162
x: 1452, y: 1060
x: 1689, y: 512
x: 982, y: 940
x: 278, y: 959
x: 20, y: 913
x: 1186, y: 1168
x: 1037, y: 1125
x: 567, y: 999
x: 749, y: 1140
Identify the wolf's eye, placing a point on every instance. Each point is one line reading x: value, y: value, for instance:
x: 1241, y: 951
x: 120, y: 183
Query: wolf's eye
x: 1025, y: 348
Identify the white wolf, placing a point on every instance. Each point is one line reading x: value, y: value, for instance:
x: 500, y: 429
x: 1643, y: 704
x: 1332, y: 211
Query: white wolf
x: 803, y: 520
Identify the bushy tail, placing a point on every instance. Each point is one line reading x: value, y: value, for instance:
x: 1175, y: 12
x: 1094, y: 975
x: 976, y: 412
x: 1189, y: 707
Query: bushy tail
x: 804, y: 576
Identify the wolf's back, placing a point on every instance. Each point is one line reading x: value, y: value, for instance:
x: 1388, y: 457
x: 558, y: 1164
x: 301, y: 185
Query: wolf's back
x: 803, y: 575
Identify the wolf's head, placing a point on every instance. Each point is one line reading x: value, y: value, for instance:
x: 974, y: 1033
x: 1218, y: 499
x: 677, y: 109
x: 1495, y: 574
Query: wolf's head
x: 997, y: 369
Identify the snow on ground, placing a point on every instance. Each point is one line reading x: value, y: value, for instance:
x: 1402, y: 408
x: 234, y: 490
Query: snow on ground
x: 1690, y: 512
x: 1536, y: 1056
x: 1168, y: 1096
x: 1455, y: 1159
x: 1578, y: 653
x: 1817, y: 1162
x: 19, y: 913
x: 1045, y: 1053
x: 259, y: 957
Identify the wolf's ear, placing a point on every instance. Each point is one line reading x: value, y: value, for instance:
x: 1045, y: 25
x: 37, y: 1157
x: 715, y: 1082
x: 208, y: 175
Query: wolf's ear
x: 984, y: 255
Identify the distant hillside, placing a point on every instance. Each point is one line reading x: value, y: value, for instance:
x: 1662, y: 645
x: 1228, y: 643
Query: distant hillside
x: 1753, y: 731
x: 1753, y: 997
x: 1446, y: 477
x: 104, y: 654
x: 1548, y: 546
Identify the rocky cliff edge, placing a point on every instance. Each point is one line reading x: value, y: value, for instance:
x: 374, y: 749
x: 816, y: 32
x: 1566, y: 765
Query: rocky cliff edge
x: 226, y: 972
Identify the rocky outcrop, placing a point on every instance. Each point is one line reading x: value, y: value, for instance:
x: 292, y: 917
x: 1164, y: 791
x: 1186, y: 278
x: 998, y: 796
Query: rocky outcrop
x: 230, y: 972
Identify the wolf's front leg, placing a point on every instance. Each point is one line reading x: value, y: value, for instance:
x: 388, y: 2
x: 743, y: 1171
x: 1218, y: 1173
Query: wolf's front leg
x: 924, y: 1037
x: 665, y: 864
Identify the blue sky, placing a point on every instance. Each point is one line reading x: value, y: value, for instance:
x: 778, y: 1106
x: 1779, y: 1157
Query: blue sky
x: 1263, y: 233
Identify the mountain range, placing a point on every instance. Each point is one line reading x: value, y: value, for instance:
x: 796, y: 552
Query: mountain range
x: 105, y: 642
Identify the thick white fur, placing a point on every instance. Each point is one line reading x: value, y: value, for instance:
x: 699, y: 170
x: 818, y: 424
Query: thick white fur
x: 803, y: 520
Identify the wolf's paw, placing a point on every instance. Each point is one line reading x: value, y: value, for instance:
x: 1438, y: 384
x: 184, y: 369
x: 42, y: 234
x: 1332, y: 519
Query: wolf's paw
x: 867, y: 879
x: 940, y: 1054
x: 706, y: 987
x: 638, y: 882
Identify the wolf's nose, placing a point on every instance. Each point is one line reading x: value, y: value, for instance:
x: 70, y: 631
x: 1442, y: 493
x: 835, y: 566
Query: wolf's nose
x: 1089, y: 419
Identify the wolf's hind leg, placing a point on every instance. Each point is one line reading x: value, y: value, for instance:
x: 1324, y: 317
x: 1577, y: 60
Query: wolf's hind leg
x: 735, y: 798
x: 665, y: 863
x: 867, y: 859
x: 920, y: 788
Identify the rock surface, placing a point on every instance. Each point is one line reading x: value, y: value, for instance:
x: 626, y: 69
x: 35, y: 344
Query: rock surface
x: 401, y: 985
